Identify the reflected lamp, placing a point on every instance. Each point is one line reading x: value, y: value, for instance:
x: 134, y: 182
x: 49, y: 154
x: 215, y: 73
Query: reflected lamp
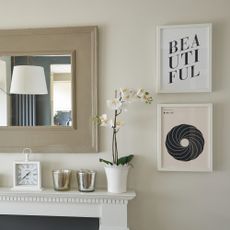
x: 28, y: 79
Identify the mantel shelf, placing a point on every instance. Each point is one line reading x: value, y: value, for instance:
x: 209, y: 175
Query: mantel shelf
x: 73, y: 196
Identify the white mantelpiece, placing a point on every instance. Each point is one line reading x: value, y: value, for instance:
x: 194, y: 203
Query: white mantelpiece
x: 111, y: 209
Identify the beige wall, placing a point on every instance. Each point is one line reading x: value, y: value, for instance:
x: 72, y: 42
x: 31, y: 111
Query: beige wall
x: 169, y: 200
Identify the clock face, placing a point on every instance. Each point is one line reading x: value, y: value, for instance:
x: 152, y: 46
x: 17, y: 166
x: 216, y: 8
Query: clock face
x: 26, y: 174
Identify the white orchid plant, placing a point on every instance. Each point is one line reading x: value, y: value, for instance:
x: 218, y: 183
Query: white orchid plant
x: 123, y: 97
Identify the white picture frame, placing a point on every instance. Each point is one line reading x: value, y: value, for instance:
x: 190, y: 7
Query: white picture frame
x: 184, y: 137
x: 184, y: 58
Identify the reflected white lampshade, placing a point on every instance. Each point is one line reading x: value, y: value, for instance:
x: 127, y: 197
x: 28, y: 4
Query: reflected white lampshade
x: 28, y: 79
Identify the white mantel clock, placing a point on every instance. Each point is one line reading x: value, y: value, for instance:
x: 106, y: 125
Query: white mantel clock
x: 27, y: 174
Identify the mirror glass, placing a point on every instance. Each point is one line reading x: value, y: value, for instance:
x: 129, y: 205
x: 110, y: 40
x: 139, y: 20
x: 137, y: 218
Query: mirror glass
x: 51, y: 109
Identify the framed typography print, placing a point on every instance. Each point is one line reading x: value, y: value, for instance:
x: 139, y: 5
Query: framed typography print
x: 184, y: 58
x: 184, y: 137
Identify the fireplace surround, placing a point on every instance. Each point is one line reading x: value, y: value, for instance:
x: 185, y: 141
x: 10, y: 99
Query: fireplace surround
x: 111, y: 209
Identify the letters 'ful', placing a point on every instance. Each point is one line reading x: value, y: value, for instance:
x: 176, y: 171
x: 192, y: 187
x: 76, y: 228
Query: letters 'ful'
x: 186, y: 53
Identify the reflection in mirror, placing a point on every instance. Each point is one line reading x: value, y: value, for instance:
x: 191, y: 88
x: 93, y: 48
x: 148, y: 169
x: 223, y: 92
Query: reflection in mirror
x: 52, y: 109
x: 60, y: 93
x: 5, y: 108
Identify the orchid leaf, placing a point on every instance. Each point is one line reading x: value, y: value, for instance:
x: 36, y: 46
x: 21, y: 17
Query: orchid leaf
x: 125, y: 160
x: 105, y: 161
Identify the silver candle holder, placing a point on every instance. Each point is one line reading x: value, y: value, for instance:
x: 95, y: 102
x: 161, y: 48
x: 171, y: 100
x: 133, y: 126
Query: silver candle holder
x: 61, y: 179
x: 86, y: 180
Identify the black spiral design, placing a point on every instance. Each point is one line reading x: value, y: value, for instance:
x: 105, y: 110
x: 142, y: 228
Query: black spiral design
x: 192, y: 134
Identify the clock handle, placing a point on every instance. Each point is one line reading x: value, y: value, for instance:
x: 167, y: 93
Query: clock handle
x: 27, y: 151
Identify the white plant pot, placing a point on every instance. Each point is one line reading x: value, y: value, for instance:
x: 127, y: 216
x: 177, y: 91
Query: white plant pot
x: 117, y: 178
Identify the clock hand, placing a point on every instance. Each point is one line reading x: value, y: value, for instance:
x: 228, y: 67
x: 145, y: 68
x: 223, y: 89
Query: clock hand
x: 26, y: 175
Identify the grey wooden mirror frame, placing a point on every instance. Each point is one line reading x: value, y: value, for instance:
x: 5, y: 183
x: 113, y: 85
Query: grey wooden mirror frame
x: 81, y: 43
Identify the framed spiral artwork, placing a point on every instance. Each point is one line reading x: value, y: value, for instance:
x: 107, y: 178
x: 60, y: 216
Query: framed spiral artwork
x: 184, y: 137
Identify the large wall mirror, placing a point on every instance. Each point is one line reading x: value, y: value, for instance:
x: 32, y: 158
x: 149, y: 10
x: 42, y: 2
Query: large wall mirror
x: 48, y: 89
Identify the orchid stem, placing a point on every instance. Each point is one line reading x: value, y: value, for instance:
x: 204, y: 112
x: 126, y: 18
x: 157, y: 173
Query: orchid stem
x: 113, y: 152
x: 114, y: 142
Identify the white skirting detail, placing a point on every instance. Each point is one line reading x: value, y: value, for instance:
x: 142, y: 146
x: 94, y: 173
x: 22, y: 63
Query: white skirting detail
x: 111, y: 209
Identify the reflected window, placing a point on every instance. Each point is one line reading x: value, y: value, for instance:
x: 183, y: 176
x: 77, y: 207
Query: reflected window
x: 4, y: 85
x: 61, y: 102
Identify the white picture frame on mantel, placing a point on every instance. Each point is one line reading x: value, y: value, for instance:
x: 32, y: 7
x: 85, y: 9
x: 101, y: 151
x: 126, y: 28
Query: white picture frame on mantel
x: 184, y: 58
x: 184, y: 137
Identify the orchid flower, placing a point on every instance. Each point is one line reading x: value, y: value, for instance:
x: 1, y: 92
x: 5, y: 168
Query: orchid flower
x: 103, y: 120
x: 114, y: 104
